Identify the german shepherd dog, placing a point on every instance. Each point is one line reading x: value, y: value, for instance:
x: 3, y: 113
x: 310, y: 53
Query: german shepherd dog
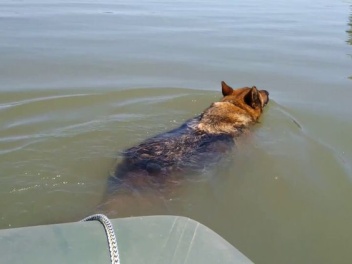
x: 197, y: 143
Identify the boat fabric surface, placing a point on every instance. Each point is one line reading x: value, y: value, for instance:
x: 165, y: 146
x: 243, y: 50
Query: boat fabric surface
x: 148, y: 239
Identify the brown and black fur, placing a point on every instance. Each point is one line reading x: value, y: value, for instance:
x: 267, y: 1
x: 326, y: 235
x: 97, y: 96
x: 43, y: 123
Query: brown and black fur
x: 195, y: 144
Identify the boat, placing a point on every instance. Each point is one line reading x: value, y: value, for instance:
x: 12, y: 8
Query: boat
x: 147, y: 239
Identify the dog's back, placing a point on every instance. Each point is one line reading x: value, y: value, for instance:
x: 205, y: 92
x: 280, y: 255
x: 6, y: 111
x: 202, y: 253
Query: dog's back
x: 181, y: 148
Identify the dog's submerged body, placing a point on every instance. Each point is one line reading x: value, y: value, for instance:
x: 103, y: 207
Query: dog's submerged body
x: 195, y: 144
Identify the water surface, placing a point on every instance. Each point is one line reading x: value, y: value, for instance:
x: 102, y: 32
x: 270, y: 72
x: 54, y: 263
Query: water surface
x: 81, y: 81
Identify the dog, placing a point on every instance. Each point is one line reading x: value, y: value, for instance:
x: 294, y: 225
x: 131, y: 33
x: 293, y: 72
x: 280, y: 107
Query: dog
x: 198, y: 142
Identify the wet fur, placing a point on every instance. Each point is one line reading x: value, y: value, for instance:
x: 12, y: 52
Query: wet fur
x: 197, y: 143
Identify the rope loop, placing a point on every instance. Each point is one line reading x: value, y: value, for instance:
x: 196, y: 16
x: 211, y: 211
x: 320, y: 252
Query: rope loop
x: 109, y: 231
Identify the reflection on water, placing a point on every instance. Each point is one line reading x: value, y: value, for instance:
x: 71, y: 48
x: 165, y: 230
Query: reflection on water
x: 349, y: 32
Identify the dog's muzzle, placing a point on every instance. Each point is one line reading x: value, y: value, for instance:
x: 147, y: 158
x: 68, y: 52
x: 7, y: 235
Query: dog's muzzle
x: 265, y: 96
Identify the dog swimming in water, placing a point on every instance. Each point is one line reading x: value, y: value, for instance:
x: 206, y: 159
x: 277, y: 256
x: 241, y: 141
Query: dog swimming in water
x: 198, y: 142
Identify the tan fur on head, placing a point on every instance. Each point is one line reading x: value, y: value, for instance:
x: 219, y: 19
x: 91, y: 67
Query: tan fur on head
x: 237, y: 110
x: 223, y: 117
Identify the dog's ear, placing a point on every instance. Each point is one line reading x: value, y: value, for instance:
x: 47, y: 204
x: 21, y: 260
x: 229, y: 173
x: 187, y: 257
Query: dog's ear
x: 252, y: 98
x: 226, y: 90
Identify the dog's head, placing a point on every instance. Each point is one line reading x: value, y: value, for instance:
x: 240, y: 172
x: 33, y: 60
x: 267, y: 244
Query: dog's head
x: 250, y: 99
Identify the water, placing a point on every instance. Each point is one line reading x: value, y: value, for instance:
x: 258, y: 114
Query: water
x: 81, y: 81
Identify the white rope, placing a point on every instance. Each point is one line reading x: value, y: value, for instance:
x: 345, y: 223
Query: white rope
x: 109, y: 230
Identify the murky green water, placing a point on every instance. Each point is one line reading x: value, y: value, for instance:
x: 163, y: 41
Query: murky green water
x: 81, y: 81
